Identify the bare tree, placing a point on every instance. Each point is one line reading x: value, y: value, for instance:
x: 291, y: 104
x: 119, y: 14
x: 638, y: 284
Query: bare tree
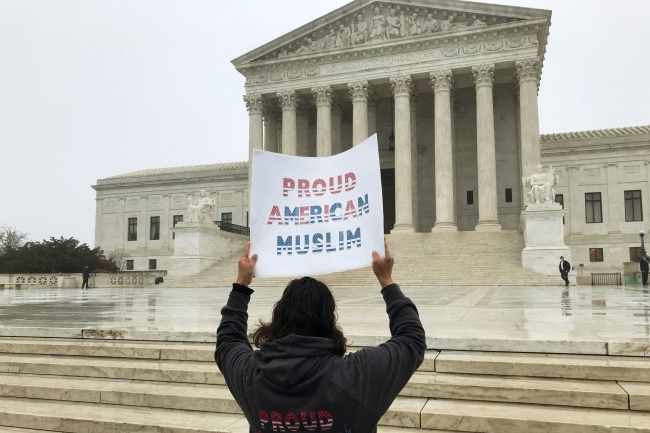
x: 10, y: 237
x: 119, y: 258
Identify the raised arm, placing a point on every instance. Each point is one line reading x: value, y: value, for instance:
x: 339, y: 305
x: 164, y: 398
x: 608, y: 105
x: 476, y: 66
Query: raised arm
x: 377, y: 375
x: 234, y: 353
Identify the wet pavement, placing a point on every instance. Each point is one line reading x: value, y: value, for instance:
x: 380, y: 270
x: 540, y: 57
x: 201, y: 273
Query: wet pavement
x: 580, y: 314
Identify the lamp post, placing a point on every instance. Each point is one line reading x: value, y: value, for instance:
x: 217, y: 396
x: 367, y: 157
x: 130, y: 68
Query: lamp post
x: 642, y: 244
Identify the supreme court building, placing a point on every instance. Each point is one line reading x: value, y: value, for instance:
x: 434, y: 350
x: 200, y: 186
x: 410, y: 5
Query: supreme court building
x: 450, y: 88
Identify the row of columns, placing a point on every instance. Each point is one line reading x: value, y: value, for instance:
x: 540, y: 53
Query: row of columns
x: 364, y: 124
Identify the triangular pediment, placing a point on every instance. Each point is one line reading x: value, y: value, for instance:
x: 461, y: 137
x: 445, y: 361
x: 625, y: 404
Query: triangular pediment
x: 366, y: 23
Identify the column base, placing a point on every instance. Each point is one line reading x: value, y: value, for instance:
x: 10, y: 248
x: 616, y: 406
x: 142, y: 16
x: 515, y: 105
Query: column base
x: 403, y: 228
x: 488, y: 226
x: 444, y: 226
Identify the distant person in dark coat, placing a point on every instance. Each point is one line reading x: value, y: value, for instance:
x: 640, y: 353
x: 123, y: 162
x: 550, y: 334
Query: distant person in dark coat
x: 644, y: 269
x: 565, y: 267
x: 86, y: 276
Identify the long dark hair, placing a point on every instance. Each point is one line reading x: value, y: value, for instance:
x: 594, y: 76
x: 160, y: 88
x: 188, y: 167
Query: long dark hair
x: 307, y: 308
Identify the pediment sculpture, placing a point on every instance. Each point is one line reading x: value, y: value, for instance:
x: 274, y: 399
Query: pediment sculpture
x: 201, y: 208
x: 379, y: 27
x: 539, y: 186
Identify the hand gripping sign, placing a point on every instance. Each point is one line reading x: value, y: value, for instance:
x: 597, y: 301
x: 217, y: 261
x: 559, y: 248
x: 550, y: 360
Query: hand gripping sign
x: 312, y: 216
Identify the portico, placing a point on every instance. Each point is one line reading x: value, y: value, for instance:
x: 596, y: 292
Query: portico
x: 451, y: 92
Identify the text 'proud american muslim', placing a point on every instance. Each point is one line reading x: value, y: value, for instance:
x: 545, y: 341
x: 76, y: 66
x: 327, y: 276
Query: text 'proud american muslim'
x: 329, y: 211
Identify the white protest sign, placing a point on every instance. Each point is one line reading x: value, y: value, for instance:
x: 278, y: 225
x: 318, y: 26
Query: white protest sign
x: 312, y: 216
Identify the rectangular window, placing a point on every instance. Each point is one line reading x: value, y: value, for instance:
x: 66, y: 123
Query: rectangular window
x: 593, y: 207
x: 246, y: 219
x: 635, y: 254
x: 154, y: 229
x: 133, y: 229
x: 177, y: 219
x: 129, y: 265
x: 508, y: 195
x: 595, y: 254
x: 152, y: 264
x: 633, y: 209
x: 559, y: 198
x: 226, y: 217
x: 470, y: 197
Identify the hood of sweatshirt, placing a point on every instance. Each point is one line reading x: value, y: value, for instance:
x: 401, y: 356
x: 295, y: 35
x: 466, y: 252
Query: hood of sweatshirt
x: 294, y: 359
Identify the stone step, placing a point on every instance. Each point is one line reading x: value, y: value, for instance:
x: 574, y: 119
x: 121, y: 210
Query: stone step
x: 131, y: 369
x: 555, y: 392
x: 103, y: 382
x: 85, y: 417
x: 590, y: 367
x: 471, y: 416
x: 100, y: 348
x: 75, y: 417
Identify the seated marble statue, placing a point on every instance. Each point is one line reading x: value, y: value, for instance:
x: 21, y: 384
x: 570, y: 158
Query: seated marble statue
x: 430, y: 25
x: 449, y: 24
x: 377, y: 27
x: 393, y: 25
x: 344, y: 37
x: 540, y: 185
x: 329, y: 40
x: 359, y: 31
x: 201, y: 209
x: 412, y: 24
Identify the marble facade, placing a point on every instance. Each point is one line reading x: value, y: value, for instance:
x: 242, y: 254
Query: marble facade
x: 451, y: 92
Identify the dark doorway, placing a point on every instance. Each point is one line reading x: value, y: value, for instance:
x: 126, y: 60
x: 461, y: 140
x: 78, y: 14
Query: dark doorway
x: 388, y: 196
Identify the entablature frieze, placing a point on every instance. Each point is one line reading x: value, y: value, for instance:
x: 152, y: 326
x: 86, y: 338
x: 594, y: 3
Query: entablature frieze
x: 378, y: 65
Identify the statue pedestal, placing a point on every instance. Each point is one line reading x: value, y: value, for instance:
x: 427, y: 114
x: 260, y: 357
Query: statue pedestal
x: 544, y: 237
x: 198, y: 245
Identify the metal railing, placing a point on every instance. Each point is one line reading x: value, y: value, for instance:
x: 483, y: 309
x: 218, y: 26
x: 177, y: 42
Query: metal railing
x: 233, y: 228
x: 612, y: 279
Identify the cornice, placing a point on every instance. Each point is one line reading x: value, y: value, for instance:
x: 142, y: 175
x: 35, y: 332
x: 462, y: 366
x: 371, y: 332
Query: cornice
x: 167, y: 182
x: 446, y: 6
x: 514, y: 30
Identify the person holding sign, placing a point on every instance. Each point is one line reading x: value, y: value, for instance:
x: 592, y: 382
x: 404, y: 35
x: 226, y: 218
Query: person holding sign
x: 301, y: 378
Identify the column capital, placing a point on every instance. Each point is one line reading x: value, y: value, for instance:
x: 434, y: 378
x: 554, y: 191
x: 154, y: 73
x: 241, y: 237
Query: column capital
x: 359, y: 90
x: 483, y: 75
x: 322, y: 95
x: 254, y: 102
x: 441, y: 80
x: 401, y: 85
x: 271, y: 109
x: 528, y: 69
x: 288, y: 99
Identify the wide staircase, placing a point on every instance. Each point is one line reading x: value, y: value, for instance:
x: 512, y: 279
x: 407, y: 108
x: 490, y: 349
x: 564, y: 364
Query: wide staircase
x: 100, y: 386
x: 444, y: 259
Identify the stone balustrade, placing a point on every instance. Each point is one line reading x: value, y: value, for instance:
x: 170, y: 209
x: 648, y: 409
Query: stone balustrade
x: 72, y: 281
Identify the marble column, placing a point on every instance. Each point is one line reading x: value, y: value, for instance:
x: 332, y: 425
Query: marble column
x: 302, y: 127
x: 414, y: 159
x: 488, y: 213
x: 337, y: 120
x: 359, y: 95
x: 271, y: 114
x: 165, y: 225
x: 441, y: 81
x: 288, y: 99
x: 323, y: 98
x: 254, y: 104
x: 279, y: 134
x: 527, y: 72
x: 401, y: 87
x: 373, y: 104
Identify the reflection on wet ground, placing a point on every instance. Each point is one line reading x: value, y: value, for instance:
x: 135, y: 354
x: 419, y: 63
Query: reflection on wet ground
x: 575, y: 312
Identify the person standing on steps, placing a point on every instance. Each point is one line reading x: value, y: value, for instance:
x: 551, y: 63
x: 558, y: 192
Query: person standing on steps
x: 302, y: 378
x: 644, y: 269
x: 565, y: 268
x: 86, y: 275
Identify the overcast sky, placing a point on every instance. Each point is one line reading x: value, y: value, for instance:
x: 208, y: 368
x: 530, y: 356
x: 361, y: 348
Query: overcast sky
x: 90, y: 89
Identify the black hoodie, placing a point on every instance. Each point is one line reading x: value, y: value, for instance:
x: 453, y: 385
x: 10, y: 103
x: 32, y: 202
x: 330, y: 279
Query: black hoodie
x: 299, y: 383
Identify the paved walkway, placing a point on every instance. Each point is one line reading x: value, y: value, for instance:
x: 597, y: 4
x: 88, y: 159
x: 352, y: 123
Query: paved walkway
x: 580, y: 319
